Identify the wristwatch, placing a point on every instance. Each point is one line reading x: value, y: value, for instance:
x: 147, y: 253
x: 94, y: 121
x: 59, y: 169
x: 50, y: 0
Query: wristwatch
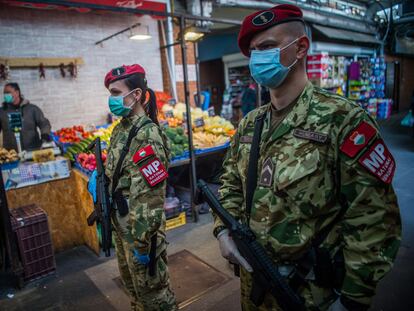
x: 217, y: 230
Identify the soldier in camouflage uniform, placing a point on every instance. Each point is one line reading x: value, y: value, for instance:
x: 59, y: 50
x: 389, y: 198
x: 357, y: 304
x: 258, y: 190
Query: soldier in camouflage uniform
x: 315, y: 147
x: 142, y: 184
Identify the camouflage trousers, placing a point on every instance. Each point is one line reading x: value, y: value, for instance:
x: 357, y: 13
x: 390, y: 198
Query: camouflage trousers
x: 148, y: 293
x: 316, y: 298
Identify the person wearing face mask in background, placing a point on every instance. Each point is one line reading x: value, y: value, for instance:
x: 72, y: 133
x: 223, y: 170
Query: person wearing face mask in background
x: 311, y: 176
x: 32, y: 119
x: 137, y: 185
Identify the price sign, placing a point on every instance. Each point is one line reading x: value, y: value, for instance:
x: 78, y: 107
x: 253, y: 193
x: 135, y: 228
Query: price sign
x: 164, y: 123
x: 199, y: 122
x: 211, y: 112
x: 172, y: 102
x: 169, y: 114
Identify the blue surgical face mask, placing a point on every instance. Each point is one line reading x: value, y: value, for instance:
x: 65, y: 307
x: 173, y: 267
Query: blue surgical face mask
x: 117, y: 107
x: 266, y: 69
x: 8, y: 98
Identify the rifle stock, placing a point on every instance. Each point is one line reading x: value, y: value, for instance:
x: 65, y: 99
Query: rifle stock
x: 265, y: 275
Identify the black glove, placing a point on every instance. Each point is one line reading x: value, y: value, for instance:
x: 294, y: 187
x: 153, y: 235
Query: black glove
x: 45, y: 137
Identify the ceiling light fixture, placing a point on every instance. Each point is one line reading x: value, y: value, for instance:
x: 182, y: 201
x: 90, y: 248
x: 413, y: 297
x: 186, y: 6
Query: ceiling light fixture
x: 195, y: 33
x: 140, y: 33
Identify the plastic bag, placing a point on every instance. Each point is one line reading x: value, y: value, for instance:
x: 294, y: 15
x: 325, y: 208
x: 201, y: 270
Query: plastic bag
x: 408, y: 120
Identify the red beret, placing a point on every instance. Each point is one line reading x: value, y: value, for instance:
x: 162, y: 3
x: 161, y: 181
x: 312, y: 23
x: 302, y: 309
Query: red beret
x: 262, y: 20
x: 122, y: 72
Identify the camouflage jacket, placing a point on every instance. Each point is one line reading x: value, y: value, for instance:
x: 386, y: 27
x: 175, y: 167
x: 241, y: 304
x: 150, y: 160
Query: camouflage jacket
x: 296, y: 194
x: 146, y: 212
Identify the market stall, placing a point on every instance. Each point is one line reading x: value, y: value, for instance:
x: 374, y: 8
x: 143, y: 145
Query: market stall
x: 360, y: 78
x: 59, y: 185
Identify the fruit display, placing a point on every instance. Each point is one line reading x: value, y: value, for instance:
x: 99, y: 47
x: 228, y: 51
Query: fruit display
x: 72, y: 134
x: 88, y: 161
x: 174, y: 116
x: 206, y: 140
x: 162, y: 98
x: 8, y: 156
x: 178, y: 141
x: 82, y: 146
x: 105, y: 133
x: 78, y: 148
x: 218, y: 126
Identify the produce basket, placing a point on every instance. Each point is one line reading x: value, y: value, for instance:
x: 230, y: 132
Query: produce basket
x: 83, y: 170
x: 212, y: 149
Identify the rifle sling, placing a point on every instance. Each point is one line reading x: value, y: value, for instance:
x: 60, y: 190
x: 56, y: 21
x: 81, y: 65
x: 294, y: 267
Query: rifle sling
x: 117, y: 174
x: 251, y: 182
x: 121, y: 204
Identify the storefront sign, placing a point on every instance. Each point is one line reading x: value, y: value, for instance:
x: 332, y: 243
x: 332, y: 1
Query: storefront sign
x: 84, y: 6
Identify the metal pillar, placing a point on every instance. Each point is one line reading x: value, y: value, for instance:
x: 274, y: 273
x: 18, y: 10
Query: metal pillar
x: 197, y: 68
x: 193, y: 175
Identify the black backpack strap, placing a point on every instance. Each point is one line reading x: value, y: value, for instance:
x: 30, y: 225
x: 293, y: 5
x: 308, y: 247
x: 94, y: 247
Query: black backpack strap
x: 251, y: 182
x: 117, y: 174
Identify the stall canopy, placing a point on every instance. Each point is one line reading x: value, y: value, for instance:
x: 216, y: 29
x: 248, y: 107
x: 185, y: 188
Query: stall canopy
x: 153, y: 8
x: 341, y: 34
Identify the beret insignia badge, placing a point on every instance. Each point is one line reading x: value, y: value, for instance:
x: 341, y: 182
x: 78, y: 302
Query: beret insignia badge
x: 263, y: 18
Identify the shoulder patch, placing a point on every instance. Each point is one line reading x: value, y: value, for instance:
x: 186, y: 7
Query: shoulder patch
x: 358, y: 139
x: 379, y: 161
x: 143, y: 153
x: 154, y: 172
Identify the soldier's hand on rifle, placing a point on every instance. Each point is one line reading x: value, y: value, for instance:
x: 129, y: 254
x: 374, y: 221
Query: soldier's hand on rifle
x: 229, y: 250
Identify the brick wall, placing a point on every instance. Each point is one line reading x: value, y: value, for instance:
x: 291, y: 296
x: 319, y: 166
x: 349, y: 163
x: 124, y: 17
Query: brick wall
x: 38, y: 33
x: 190, y: 61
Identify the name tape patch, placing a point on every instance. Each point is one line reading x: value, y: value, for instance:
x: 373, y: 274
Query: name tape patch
x: 358, y: 139
x: 309, y: 135
x: 379, y: 161
x: 154, y: 172
x: 143, y: 153
x: 246, y: 139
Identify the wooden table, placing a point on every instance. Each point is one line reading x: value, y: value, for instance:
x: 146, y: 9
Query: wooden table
x: 67, y: 203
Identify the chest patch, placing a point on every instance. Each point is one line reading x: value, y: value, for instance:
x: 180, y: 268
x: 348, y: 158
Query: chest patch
x: 379, y: 161
x: 246, y: 139
x: 309, y: 135
x: 266, y: 176
x: 154, y: 172
x: 143, y: 153
x: 358, y: 139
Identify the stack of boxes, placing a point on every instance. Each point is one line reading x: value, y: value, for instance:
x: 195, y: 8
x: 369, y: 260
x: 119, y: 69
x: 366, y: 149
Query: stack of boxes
x: 318, y: 67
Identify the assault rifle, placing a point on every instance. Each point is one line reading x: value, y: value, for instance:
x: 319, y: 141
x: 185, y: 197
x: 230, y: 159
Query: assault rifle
x: 102, y: 211
x: 265, y: 275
